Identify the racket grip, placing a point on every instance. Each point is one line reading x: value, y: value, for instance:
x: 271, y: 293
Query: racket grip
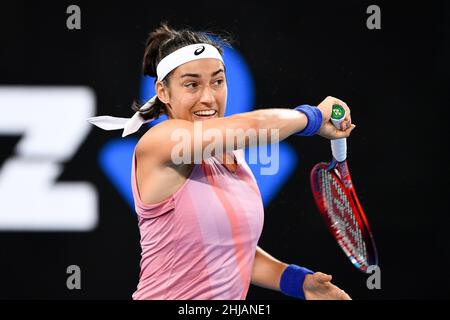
x: 339, y: 149
x: 338, y: 146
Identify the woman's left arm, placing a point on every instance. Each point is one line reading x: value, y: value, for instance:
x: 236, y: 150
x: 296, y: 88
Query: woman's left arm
x: 267, y: 273
x: 267, y: 270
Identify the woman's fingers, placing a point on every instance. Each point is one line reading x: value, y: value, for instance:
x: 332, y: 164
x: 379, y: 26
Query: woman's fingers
x: 321, y: 288
x: 322, y: 277
x: 338, y: 134
x: 343, y: 295
x: 347, y: 119
x: 346, y: 123
x: 347, y: 131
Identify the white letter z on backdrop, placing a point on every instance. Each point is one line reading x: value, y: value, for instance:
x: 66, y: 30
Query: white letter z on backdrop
x: 52, y: 123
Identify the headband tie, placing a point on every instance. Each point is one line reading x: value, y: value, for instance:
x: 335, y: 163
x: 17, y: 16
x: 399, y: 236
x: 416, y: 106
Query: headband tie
x: 165, y: 66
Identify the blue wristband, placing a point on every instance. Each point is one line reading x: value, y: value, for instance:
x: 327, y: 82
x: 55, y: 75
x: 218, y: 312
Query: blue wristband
x: 291, y: 282
x: 314, y: 116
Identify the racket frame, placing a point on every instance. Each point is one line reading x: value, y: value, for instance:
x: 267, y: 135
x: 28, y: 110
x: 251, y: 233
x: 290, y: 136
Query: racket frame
x: 341, y: 174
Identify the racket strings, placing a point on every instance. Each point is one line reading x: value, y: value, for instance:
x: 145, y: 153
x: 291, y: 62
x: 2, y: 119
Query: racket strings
x: 343, y: 221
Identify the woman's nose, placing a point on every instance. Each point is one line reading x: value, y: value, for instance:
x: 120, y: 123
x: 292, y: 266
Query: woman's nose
x: 207, y: 96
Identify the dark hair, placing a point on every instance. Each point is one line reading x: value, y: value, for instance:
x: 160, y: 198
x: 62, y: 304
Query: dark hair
x: 163, y: 41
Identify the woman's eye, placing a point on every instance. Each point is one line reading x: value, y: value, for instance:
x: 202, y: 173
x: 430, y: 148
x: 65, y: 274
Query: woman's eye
x: 190, y: 85
x: 219, y: 82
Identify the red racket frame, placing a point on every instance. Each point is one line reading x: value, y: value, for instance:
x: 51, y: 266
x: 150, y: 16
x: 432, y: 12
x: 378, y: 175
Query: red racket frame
x: 340, y: 173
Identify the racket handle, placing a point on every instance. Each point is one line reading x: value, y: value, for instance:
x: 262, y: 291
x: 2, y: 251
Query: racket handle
x: 338, y: 146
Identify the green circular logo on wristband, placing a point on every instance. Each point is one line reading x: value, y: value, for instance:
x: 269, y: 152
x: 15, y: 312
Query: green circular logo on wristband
x: 337, y: 112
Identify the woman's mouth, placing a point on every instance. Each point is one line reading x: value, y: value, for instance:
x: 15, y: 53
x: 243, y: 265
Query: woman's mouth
x: 205, y: 114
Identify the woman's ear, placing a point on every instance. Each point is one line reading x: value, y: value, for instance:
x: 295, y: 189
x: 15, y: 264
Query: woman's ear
x: 162, y: 92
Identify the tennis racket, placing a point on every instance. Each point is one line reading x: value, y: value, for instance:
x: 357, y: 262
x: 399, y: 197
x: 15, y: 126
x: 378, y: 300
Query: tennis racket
x: 336, y: 199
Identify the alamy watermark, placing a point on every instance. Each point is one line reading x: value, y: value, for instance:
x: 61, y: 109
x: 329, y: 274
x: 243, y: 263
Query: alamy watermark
x: 212, y: 142
x: 374, y: 20
x: 374, y: 280
x: 73, y: 21
x: 74, y: 279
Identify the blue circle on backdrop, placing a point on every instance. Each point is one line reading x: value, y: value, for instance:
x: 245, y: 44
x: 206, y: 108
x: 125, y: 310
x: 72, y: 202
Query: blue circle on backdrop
x: 116, y: 155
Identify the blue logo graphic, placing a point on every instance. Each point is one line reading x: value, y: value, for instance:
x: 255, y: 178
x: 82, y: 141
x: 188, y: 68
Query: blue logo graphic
x: 116, y: 156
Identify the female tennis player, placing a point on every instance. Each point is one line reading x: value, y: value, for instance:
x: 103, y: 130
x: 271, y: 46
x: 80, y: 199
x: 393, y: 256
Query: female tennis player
x: 200, y: 221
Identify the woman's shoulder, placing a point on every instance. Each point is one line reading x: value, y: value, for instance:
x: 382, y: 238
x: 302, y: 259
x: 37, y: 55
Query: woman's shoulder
x: 155, y: 140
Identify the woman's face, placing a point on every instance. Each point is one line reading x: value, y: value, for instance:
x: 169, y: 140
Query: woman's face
x: 197, y: 91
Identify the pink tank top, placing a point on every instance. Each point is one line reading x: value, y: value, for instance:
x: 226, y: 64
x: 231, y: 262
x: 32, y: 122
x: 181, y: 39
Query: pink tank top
x: 200, y: 243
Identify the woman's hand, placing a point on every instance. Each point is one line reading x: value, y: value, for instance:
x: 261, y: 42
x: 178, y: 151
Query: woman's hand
x: 328, y: 130
x: 318, y: 286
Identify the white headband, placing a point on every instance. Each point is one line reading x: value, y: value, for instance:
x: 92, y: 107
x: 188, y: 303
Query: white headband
x: 165, y: 66
x: 184, y: 55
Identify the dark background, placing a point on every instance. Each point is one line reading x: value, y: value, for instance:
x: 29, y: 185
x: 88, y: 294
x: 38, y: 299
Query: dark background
x: 394, y: 79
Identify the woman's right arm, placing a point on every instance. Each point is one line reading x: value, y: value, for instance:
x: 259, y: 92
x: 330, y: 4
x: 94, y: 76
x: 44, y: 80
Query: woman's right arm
x: 176, y: 137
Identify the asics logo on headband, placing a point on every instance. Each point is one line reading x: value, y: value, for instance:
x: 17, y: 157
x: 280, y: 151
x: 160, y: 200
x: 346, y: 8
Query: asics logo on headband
x: 199, y: 50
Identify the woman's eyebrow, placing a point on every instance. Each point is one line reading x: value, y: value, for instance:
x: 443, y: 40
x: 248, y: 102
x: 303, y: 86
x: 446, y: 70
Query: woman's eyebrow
x: 196, y: 75
x: 216, y: 72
